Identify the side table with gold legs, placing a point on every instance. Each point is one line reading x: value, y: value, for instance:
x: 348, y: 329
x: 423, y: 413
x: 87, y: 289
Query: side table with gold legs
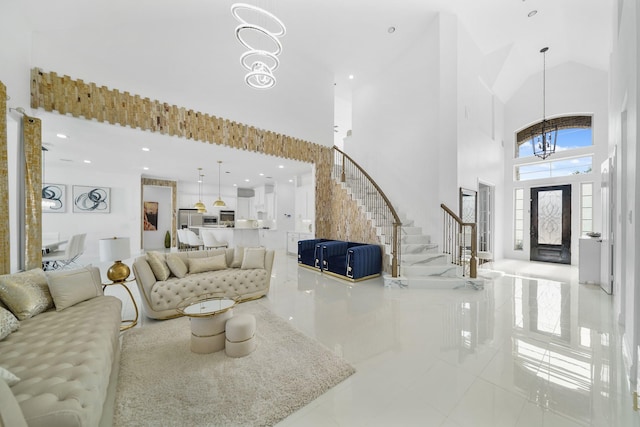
x: 117, y: 249
x: 127, y: 323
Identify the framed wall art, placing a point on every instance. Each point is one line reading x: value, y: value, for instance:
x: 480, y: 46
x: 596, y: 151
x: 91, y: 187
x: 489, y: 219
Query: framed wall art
x: 150, y: 216
x: 91, y: 199
x: 54, y: 198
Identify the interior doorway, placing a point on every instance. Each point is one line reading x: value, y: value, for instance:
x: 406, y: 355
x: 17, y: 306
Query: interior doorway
x: 485, y: 217
x: 551, y: 224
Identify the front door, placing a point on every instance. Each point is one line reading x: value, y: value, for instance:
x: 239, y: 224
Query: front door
x: 551, y: 224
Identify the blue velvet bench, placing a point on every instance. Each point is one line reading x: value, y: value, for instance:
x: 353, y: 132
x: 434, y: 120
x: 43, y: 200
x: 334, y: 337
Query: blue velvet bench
x: 309, y: 253
x: 350, y: 260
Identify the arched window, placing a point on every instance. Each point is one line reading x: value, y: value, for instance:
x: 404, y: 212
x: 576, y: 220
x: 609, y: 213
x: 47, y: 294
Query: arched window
x: 573, y: 132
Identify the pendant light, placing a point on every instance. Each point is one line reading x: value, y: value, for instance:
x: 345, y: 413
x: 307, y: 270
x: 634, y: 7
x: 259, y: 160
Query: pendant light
x: 543, y: 137
x: 200, y: 206
x: 219, y: 203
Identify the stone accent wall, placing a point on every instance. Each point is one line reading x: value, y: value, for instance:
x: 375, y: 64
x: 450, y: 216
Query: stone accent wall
x: 350, y: 223
x: 32, y: 139
x: 92, y: 102
x: 5, y: 248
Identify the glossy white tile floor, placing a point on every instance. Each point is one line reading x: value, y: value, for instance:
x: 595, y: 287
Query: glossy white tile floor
x: 534, y: 348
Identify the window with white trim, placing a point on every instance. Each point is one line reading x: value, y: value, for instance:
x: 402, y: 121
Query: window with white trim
x: 586, y: 207
x: 518, y: 229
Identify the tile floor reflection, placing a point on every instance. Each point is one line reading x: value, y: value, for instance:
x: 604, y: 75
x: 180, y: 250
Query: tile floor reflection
x: 533, y: 348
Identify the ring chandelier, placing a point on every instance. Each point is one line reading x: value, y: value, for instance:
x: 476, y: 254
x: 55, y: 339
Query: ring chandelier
x: 259, y: 62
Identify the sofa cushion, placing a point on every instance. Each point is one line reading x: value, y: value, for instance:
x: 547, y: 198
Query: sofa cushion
x: 8, y: 323
x: 212, y: 263
x: 230, y: 282
x: 64, y: 360
x: 26, y: 293
x: 238, y: 255
x: 253, y: 258
x: 69, y: 287
x: 10, y: 412
x: 158, y: 265
x: 177, y: 266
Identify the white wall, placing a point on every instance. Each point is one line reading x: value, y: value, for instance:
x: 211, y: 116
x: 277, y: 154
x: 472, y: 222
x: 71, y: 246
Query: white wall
x: 397, y: 130
x: 480, y: 116
x: 571, y: 89
x: 122, y: 221
x: 162, y: 195
x: 623, y: 99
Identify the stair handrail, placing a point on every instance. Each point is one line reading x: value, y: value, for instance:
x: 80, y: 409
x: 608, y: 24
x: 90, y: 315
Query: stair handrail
x: 395, y: 240
x: 454, y: 249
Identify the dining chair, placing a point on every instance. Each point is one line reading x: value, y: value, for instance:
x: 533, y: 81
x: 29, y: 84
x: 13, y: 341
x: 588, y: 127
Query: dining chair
x: 210, y: 241
x: 63, y: 258
x: 192, y: 239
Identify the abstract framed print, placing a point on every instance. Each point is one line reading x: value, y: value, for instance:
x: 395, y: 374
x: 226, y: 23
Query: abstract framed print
x: 91, y: 199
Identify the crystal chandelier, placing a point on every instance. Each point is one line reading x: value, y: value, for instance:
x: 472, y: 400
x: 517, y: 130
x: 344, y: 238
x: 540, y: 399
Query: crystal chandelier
x: 260, y: 63
x: 543, y: 138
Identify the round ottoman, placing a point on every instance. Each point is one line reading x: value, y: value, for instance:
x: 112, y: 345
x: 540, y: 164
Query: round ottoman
x: 240, y: 334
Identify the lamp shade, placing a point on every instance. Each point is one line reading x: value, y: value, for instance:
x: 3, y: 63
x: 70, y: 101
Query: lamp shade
x: 114, y: 249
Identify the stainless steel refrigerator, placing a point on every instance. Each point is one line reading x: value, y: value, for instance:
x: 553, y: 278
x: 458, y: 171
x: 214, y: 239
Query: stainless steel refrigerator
x: 188, y: 218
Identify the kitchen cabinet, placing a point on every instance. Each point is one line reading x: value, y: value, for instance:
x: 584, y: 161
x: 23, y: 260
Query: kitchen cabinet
x: 292, y: 241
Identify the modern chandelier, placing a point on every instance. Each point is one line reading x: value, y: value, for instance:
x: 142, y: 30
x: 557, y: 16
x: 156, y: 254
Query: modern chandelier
x: 219, y: 203
x: 200, y: 206
x: 260, y: 63
x: 543, y: 137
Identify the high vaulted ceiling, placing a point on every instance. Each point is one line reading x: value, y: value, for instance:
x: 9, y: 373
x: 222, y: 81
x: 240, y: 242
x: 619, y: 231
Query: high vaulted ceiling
x: 345, y: 37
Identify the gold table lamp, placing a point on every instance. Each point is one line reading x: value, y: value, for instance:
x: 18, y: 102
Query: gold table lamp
x: 116, y: 249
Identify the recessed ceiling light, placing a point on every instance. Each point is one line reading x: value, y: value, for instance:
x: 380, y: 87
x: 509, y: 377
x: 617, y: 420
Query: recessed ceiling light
x: 247, y: 180
x: 145, y: 149
x: 350, y: 76
x: 391, y: 30
x: 61, y: 136
x: 87, y: 161
x: 261, y: 174
x: 145, y: 168
x: 280, y: 166
x: 290, y: 180
x: 532, y: 13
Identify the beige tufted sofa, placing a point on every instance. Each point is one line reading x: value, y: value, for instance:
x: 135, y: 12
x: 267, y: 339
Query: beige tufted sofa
x: 66, y: 360
x: 160, y: 298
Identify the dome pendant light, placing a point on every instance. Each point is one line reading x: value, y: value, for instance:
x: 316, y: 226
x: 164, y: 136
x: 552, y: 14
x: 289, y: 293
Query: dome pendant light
x: 543, y: 137
x: 200, y: 206
x: 219, y: 203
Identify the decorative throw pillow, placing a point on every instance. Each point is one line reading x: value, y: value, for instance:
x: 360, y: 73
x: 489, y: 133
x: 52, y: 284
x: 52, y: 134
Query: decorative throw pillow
x: 212, y: 263
x: 238, y: 254
x: 253, y: 258
x: 26, y: 293
x: 8, y: 323
x: 177, y: 266
x: 8, y: 376
x: 158, y: 265
x: 73, y: 286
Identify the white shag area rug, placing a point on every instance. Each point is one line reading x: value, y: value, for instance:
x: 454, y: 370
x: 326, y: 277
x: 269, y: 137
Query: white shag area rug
x: 161, y: 383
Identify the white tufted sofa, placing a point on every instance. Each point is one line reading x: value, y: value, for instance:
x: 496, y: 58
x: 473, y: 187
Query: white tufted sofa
x: 161, y: 297
x: 67, y: 364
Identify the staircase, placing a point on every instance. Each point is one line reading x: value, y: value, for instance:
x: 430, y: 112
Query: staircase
x: 422, y: 263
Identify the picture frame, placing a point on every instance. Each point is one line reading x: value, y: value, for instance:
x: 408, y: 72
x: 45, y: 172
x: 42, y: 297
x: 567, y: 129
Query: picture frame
x: 54, y: 198
x: 150, y: 214
x: 91, y: 199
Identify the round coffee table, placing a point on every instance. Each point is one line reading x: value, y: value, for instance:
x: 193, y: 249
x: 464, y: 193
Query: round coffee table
x: 208, y: 316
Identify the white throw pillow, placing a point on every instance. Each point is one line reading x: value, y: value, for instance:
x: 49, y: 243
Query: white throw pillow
x: 212, y: 263
x: 253, y: 258
x: 8, y: 376
x: 8, y: 323
x: 177, y: 266
x: 238, y: 254
x: 70, y: 287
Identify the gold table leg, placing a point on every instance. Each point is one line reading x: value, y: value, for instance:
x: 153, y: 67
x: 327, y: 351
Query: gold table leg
x: 128, y: 323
